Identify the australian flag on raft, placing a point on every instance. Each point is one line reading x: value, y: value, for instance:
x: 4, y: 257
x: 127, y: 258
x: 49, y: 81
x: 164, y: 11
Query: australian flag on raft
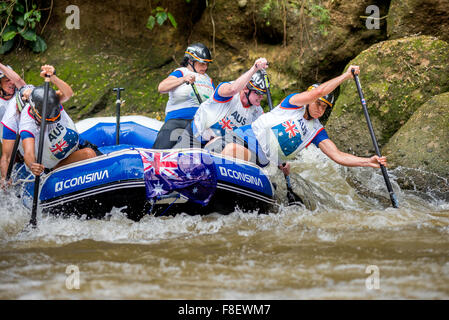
x: 191, y: 173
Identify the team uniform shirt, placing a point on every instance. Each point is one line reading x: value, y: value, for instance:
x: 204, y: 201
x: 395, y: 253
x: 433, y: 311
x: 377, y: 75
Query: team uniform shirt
x: 284, y: 132
x: 219, y: 115
x: 3, y: 106
x: 10, y: 123
x: 182, y: 102
x: 11, y: 119
x: 61, y: 137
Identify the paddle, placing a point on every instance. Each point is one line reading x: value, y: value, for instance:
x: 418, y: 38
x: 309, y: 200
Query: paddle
x: 195, y: 90
x: 292, y: 197
x: 13, y: 156
x: 117, y: 114
x: 33, y: 220
x: 393, y: 198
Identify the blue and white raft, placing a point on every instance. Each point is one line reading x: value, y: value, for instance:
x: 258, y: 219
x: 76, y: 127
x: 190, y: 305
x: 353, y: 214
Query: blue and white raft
x: 141, y: 180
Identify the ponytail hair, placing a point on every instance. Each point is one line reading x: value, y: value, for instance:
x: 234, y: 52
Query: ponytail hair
x: 184, y: 62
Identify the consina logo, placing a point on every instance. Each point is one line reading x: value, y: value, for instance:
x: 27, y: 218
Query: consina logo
x: 237, y: 175
x: 76, y: 181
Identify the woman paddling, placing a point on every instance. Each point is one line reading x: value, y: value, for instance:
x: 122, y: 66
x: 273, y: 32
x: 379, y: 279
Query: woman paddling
x: 182, y: 101
x: 62, y: 144
x: 281, y: 134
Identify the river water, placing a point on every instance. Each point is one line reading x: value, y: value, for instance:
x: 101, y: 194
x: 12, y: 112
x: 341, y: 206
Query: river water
x: 343, y: 245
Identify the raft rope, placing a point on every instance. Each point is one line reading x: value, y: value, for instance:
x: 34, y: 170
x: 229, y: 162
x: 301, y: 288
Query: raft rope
x: 152, y: 202
x: 176, y: 198
x: 29, y: 178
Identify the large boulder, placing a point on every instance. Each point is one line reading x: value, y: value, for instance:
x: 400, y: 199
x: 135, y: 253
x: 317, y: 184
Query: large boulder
x: 427, y: 17
x: 397, y: 77
x: 305, y: 42
x: 421, y: 147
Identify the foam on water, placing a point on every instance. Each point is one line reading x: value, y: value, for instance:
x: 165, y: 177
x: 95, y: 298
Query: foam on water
x: 317, y: 251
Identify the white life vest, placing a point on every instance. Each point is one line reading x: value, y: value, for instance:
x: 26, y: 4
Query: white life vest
x: 3, y: 106
x: 183, y: 96
x: 219, y: 115
x: 284, y: 132
x: 11, y: 116
x: 61, y: 137
x: 11, y: 120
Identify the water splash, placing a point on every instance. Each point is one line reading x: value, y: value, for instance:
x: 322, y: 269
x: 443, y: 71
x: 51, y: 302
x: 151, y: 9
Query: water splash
x: 333, y: 205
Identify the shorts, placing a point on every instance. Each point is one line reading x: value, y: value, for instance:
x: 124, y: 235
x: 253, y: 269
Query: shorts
x: 86, y: 144
x: 188, y: 140
x: 170, y: 133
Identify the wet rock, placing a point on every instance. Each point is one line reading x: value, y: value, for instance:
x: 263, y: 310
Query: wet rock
x: 427, y: 17
x: 397, y: 77
x: 422, y: 144
x: 303, y: 41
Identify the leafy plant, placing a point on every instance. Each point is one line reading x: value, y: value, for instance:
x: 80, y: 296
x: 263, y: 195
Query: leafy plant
x: 266, y: 9
x: 323, y: 15
x: 160, y: 15
x: 19, y: 18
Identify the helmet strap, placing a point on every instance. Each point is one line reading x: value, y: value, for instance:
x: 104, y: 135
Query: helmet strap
x: 247, y: 97
x: 192, y: 65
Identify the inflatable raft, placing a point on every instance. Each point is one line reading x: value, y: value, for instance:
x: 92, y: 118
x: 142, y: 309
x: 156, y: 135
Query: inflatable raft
x: 140, y: 180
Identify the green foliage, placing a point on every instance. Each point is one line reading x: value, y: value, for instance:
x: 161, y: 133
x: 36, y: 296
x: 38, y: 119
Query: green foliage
x: 160, y: 15
x: 19, y: 18
x: 317, y: 11
x: 266, y: 10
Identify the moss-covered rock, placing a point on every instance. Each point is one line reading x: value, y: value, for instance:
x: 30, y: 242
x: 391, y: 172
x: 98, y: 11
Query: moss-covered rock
x: 427, y: 17
x: 304, y: 41
x: 423, y: 144
x: 397, y: 77
x: 112, y: 48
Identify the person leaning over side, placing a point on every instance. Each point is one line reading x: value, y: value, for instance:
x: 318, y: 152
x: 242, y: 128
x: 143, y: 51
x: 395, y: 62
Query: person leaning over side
x: 62, y: 144
x: 233, y: 104
x: 281, y: 134
x: 10, y: 108
x: 9, y: 81
x: 182, y: 100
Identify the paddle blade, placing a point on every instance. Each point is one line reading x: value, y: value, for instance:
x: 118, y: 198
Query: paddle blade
x: 293, y: 198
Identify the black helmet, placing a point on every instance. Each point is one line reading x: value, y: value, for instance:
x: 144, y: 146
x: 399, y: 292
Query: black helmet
x: 198, y: 52
x: 327, y: 99
x: 257, y: 83
x: 37, y: 103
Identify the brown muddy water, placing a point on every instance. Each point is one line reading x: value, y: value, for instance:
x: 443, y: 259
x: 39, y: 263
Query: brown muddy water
x: 344, y: 246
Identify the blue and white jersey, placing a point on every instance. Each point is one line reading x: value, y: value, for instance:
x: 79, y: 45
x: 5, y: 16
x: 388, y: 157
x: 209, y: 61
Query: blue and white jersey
x: 284, y: 132
x: 182, y: 101
x: 219, y: 115
x: 3, y: 106
x: 10, y: 123
x: 61, y: 137
x: 10, y: 120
